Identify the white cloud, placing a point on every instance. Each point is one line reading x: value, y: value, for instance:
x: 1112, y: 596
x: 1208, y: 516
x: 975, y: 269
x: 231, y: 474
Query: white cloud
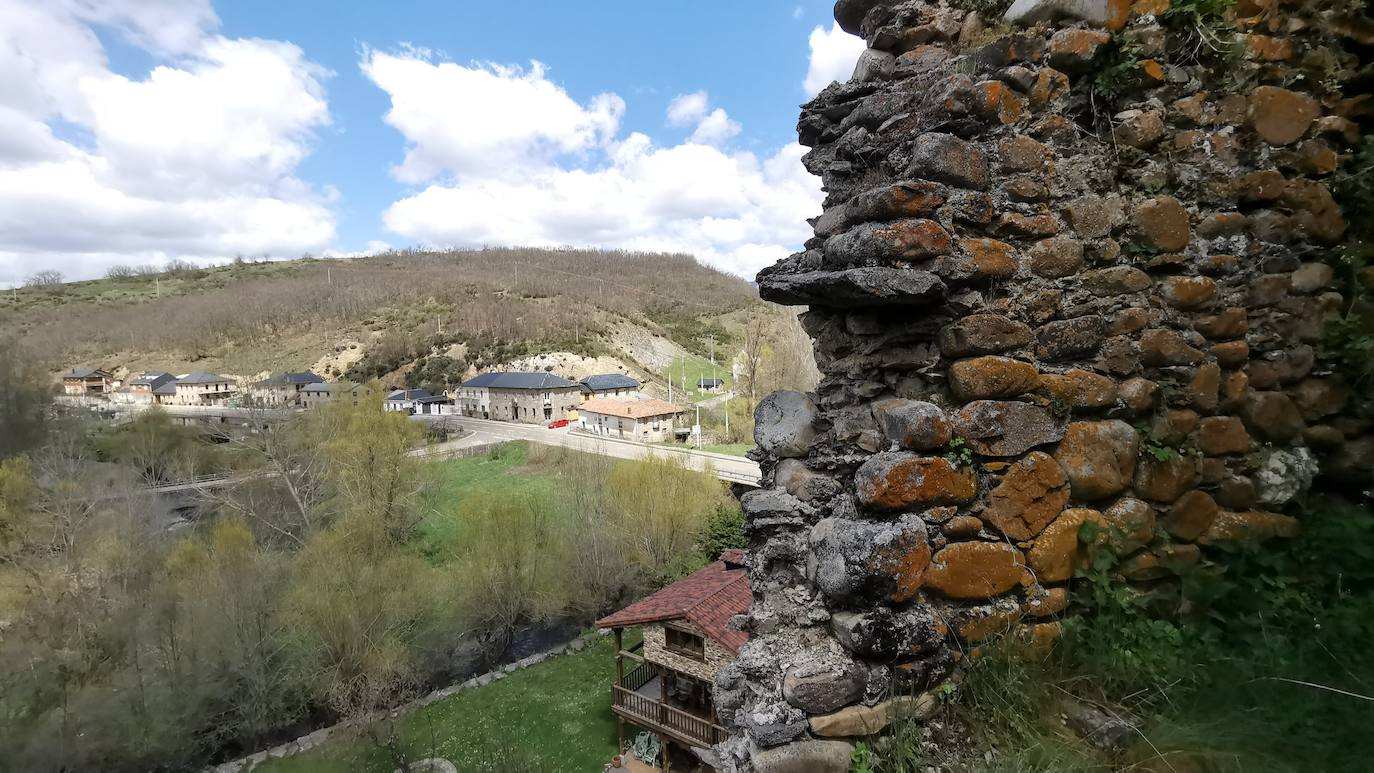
x: 833, y: 55
x: 196, y: 160
x: 687, y: 109
x: 735, y: 211
x: 712, y: 127
x: 488, y: 119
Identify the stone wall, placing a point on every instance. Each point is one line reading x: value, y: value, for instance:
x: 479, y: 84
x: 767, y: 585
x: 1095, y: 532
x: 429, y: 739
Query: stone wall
x: 1073, y: 268
x: 656, y: 651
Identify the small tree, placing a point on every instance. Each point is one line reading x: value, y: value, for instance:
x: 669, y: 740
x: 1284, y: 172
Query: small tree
x: 47, y: 278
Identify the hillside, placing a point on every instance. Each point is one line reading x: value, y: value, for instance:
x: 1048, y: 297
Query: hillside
x: 381, y: 316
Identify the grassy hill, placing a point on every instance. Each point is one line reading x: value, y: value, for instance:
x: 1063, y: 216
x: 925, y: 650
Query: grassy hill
x: 386, y: 314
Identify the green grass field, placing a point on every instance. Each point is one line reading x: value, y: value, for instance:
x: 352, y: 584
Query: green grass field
x: 507, y: 470
x: 730, y: 449
x: 554, y: 716
x: 697, y: 368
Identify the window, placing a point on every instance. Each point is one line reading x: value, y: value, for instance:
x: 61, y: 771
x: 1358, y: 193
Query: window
x: 684, y: 643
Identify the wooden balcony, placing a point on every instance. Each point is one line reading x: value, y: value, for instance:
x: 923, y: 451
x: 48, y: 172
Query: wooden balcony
x: 638, y: 699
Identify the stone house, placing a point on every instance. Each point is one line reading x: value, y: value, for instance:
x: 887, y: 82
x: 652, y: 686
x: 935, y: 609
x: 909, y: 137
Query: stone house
x: 283, y: 389
x: 531, y: 398
x: 648, y: 421
x: 149, y: 387
x: 318, y: 394
x: 86, y: 381
x: 686, y: 640
x: 609, y: 385
x: 202, y: 388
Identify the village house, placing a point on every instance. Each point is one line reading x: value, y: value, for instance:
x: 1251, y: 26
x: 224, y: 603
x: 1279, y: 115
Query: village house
x: 143, y: 388
x: 648, y: 421
x: 318, y: 394
x: 532, y: 398
x: 407, y: 400
x: 202, y: 388
x: 283, y: 389
x: 608, y: 385
x: 710, y: 384
x: 663, y: 683
x: 86, y: 381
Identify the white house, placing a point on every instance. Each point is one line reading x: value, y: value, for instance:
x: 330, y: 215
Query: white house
x: 649, y: 421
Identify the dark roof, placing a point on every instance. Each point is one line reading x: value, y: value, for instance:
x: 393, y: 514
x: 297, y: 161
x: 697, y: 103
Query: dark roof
x: 518, y: 381
x: 151, y: 378
x: 168, y: 387
x: 707, y: 598
x: 432, y: 399
x: 609, y: 381
x: 710, y: 382
x: 84, y: 373
x: 201, y: 377
x: 284, y: 379
x: 408, y: 394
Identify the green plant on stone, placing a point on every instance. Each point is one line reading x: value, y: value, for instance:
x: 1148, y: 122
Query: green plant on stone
x: 1200, y: 33
x: 861, y: 759
x: 958, y: 452
x: 1116, y: 71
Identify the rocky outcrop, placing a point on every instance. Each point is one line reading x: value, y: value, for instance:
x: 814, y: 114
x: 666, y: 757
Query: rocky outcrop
x: 1068, y: 295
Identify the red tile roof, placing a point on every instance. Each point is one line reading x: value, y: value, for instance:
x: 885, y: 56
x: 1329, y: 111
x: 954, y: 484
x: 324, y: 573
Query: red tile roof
x: 707, y: 598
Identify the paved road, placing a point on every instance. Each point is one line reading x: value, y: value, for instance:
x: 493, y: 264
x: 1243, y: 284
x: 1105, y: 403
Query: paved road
x: 734, y: 469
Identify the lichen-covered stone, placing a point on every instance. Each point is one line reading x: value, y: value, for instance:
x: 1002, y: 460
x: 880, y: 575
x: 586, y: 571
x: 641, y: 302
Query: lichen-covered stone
x: 991, y: 377
x: 979, y: 334
x: 1098, y: 457
x: 1163, y: 223
x: 1070, y: 338
x: 1191, y: 515
x: 900, y: 480
x: 1130, y: 525
x: 1248, y: 526
x: 1222, y: 435
x: 948, y: 159
x: 1032, y: 493
x: 784, y: 424
x: 1005, y: 428
x: 915, y: 425
x: 1280, y: 116
x: 976, y: 570
x: 883, y: 634
x: 861, y: 562
x: 1058, y: 550
x: 1165, y: 479
x: 1080, y: 388
x: 824, y: 687
x: 804, y: 757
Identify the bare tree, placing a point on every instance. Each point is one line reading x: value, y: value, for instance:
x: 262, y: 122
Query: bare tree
x: 46, y: 278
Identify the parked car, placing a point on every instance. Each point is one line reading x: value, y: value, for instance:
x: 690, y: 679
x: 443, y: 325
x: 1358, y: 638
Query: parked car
x: 557, y: 424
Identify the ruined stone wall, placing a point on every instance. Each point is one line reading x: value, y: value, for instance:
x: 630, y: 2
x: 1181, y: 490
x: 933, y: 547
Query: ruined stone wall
x: 1070, y: 270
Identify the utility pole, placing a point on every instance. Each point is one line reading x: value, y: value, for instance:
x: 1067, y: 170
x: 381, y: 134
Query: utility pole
x: 698, y: 425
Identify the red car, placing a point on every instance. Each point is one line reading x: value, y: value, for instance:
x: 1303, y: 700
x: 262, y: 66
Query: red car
x: 557, y: 424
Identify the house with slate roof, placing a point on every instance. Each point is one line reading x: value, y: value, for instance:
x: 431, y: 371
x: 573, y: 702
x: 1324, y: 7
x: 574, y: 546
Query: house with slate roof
x: 147, y: 387
x: 86, y: 381
x: 201, y: 388
x: 609, y: 385
x: 317, y: 395
x: 663, y: 682
x: 283, y: 389
x: 531, y: 398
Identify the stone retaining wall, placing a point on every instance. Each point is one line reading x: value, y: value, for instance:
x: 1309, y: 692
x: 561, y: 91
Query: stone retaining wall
x: 1071, y: 270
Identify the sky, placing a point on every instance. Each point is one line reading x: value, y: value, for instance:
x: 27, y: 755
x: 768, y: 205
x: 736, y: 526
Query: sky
x: 135, y: 132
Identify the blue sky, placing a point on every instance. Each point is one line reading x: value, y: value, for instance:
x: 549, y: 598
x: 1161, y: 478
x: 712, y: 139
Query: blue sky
x: 157, y: 129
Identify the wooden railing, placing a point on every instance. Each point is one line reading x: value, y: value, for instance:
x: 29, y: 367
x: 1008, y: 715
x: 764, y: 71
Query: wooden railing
x: 639, y: 677
x: 658, y: 715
